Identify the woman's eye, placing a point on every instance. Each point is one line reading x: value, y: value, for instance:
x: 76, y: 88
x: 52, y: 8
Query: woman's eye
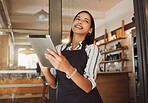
x: 77, y: 19
x: 86, y: 21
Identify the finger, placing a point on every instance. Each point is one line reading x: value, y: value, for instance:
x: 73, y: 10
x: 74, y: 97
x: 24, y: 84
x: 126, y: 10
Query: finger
x: 52, y: 52
x: 52, y: 60
x: 40, y: 63
x: 49, y: 56
x: 56, y: 55
x: 60, y: 53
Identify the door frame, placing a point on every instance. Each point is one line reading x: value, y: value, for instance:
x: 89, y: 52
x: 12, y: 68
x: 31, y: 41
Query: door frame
x: 141, y: 22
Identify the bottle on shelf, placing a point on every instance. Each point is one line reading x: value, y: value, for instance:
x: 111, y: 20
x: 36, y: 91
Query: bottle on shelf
x: 116, y: 56
x: 119, y: 33
x: 109, y: 52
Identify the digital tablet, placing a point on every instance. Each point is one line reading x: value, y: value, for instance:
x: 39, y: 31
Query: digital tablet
x: 40, y: 43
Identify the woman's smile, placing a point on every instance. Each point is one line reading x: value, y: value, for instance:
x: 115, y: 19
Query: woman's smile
x: 79, y: 26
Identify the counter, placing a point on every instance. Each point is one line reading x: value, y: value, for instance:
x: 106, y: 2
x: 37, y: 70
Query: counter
x: 20, y: 82
x: 113, y: 86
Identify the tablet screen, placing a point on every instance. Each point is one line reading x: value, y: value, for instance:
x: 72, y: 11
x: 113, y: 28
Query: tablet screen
x: 40, y: 43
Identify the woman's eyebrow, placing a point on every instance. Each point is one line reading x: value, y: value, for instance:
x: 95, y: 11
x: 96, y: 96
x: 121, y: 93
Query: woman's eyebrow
x: 78, y: 16
x: 84, y: 18
x: 87, y: 19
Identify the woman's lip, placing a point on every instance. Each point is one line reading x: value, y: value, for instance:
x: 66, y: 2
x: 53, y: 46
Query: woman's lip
x: 78, y: 26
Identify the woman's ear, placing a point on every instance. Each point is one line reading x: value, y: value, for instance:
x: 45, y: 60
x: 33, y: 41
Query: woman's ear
x: 90, y: 30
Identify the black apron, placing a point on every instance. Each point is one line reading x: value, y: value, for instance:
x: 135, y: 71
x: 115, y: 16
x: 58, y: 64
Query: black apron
x: 68, y: 91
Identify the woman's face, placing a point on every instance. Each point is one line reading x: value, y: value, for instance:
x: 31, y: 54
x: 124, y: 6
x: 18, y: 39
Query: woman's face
x: 81, y: 24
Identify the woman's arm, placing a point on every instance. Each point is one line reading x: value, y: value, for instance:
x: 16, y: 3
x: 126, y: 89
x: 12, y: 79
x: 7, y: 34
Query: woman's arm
x: 49, y: 77
x: 61, y: 63
x: 81, y: 81
x: 87, y: 81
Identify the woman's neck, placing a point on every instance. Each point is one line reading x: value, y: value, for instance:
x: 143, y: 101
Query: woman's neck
x: 76, y: 40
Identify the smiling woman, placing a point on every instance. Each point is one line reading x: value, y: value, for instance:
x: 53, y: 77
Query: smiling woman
x: 75, y: 64
x: 75, y: 67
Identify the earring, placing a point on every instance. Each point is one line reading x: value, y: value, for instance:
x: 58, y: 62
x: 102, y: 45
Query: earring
x: 89, y: 34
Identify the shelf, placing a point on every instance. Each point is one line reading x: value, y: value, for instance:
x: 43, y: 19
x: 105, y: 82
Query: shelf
x: 113, y: 50
x: 111, y: 61
x: 16, y: 71
x: 122, y: 37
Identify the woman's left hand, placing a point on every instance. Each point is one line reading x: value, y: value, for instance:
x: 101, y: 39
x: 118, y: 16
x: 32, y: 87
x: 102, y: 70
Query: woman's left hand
x: 59, y: 61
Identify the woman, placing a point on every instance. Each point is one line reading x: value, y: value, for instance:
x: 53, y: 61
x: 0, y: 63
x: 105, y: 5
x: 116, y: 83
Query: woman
x: 75, y: 64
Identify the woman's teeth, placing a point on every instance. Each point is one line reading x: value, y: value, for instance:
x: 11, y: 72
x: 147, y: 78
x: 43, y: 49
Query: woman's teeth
x: 79, y: 26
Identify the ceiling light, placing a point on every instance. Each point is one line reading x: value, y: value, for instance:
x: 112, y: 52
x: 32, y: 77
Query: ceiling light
x: 111, y: 38
x: 97, y: 43
x: 41, y: 15
x: 65, y: 41
x: 27, y: 51
x: 127, y: 32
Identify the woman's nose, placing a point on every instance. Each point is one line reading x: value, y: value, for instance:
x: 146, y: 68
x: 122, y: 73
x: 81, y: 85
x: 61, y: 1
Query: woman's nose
x: 80, y: 21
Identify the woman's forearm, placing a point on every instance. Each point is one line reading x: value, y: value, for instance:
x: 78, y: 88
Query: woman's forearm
x: 81, y: 81
x: 50, y: 78
x: 62, y: 64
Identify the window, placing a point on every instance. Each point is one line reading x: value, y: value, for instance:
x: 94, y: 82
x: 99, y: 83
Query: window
x: 27, y: 58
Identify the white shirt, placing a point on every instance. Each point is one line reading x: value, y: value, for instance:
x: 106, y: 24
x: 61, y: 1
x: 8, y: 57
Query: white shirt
x: 90, y: 72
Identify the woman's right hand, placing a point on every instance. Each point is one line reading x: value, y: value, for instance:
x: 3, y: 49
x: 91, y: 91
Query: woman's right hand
x: 43, y: 68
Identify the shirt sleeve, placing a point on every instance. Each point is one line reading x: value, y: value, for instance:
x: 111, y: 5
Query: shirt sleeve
x: 60, y: 47
x: 90, y: 72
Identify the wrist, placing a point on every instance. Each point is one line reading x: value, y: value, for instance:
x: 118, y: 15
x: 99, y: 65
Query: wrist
x: 70, y: 71
x: 45, y: 70
x: 71, y: 74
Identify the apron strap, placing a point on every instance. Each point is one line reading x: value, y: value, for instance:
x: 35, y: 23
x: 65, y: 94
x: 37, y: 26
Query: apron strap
x: 83, y: 45
x: 66, y: 47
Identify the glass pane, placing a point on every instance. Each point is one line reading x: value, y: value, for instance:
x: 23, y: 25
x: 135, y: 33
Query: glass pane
x: 27, y: 59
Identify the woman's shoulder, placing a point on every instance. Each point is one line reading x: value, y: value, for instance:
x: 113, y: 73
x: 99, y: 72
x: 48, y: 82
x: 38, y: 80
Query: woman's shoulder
x: 92, y: 46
